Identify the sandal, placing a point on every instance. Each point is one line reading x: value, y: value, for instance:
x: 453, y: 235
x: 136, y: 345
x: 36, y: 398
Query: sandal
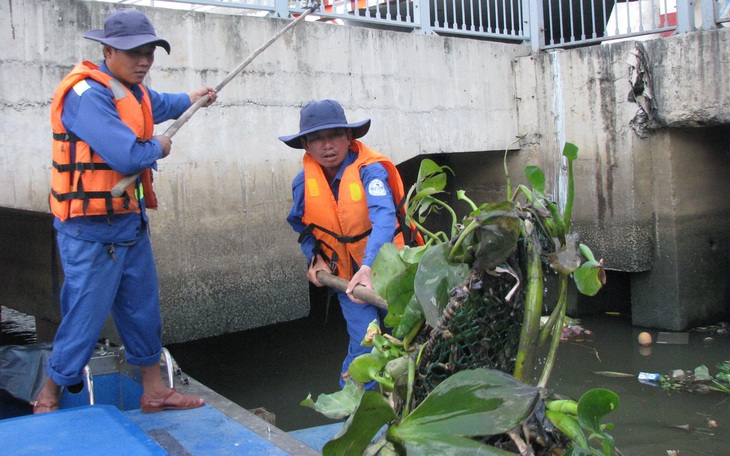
x: 40, y: 406
x: 174, y: 400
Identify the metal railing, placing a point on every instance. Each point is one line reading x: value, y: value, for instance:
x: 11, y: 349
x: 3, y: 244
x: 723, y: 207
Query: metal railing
x: 541, y: 24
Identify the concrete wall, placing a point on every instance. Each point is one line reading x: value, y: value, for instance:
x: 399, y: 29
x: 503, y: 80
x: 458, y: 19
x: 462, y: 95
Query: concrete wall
x: 653, y: 206
x: 226, y: 258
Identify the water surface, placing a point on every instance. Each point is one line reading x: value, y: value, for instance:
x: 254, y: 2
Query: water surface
x: 276, y: 367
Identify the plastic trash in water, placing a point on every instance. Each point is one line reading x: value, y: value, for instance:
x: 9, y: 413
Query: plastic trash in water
x: 649, y: 378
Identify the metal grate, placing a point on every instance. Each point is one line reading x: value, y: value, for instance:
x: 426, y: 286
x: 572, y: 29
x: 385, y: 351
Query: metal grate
x: 483, y: 332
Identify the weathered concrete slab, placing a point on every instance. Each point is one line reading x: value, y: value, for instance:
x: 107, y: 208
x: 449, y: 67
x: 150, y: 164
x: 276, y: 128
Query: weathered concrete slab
x: 651, y: 205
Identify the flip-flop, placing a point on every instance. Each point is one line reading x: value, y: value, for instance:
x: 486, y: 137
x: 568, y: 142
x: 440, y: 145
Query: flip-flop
x: 39, y: 406
x: 149, y: 405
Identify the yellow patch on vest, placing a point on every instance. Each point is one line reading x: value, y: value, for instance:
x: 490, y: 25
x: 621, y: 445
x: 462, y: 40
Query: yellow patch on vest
x: 313, y: 187
x: 355, y: 193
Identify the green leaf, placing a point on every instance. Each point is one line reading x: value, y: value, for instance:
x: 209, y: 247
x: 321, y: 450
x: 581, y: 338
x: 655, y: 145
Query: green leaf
x: 386, y: 265
x: 567, y: 406
x: 428, y: 168
x: 396, y: 367
x: 400, y: 290
x: 372, y: 330
x: 412, y: 317
x: 702, y: 373
x: 435, y: 183
x: 568, y: 426
x: 590, y: 277
x: 387, y: 346
x: 412, y: 255
x: 586, y: 252
x: 470, y: 403
x: 371, y: 415
x: 425, y: 194
x: 435, y: 278
x: 450, y: 445
x: 337, y: 405
x: 724, y: 367
x: 366, y: 367
x: 594, y: 405
x: 497, y: 235
x: 570, y: 151
x: 537, y: 180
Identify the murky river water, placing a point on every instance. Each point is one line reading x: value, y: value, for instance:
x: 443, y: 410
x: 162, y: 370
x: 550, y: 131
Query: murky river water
x: 276, y: 367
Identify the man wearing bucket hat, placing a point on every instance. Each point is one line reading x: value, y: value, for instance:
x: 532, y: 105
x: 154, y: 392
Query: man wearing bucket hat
x: 346, y: 206
x: 103, y: 119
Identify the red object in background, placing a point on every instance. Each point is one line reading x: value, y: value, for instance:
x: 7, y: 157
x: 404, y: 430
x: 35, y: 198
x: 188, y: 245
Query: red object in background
x: 667, y: 20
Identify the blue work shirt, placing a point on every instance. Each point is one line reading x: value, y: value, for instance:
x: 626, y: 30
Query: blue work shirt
x: 381, y: 208
x: 93, y: 117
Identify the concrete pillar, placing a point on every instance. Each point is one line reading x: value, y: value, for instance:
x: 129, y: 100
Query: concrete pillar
x: 687, y: 284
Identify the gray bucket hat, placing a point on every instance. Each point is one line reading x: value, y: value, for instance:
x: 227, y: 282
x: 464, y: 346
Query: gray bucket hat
x: 127, y: 29
x: 323, y: 115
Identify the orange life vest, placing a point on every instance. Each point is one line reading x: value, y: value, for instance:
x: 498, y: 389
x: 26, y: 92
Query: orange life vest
x: 81, y: 182
x: 342, y: 226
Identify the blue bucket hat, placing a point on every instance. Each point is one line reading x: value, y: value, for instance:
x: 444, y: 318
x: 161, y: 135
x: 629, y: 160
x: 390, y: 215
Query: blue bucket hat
x: 323, y: 115
x: 127, y: 29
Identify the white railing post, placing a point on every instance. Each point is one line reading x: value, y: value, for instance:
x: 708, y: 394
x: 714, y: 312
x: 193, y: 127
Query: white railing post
x: 533, y: 15
x: 708, y: 14
x: 685, y: 16
x: 422, y: 15
x: 281, y: 8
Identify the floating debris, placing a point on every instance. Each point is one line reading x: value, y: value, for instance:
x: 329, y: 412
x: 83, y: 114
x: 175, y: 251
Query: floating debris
x: 614, y: 374
x: 720, y: 328
x: 644, y: 339
x: 682, y: 427
x: 650, y: 379
x: 675, y: 338
x: 699, y: 381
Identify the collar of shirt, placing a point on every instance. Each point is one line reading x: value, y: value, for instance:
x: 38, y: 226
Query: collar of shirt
x: 135, y: 89
x: 349, y: 159
x: 335, y: 184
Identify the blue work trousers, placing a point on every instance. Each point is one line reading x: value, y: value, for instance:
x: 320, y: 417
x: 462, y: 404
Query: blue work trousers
x: 100, y: 278
x: 358, y: 317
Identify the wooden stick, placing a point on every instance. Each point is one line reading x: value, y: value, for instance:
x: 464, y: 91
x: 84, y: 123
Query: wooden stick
x: 126, y: 181
x: 360, y: 292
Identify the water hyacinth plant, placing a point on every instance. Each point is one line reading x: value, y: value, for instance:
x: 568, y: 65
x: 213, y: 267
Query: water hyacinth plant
x: 480, y: 409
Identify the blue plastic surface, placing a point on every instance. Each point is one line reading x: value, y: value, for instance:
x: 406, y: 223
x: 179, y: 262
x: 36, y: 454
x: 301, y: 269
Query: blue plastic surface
x: 115, y: 389
x: 317, y: 437
x: 90, y: 430
x: 204, y: 431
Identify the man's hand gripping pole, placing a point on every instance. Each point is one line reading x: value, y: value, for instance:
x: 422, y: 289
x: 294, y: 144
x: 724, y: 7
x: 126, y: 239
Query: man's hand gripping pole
x: 360, y: 292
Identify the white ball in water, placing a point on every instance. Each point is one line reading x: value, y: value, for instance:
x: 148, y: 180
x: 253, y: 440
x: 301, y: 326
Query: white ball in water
x: 645, y: 339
